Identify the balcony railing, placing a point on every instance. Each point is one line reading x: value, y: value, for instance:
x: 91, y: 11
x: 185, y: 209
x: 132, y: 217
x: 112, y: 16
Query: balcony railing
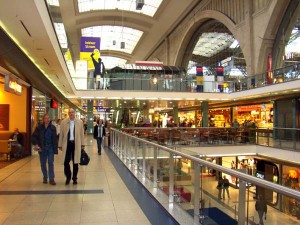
x: 187, y: 186
x: 283, y: 138
x: 158, y: 82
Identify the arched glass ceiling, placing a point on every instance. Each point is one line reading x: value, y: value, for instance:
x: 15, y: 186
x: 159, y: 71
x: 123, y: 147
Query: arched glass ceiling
x: 111, y: 62
x: 150, y: 6
x: 211, y: 43
x: 112, y: 36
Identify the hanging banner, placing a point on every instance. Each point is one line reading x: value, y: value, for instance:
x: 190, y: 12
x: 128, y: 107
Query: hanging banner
x: 199, y: 75
x: 89, y: 46
x: 269, y: 69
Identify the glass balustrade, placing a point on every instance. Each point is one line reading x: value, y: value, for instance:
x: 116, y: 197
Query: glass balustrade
x: 197, y: 191
x: 181, y: 83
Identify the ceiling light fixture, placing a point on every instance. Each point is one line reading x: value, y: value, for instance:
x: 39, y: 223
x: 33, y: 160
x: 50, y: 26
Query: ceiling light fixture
x: 139, y: 4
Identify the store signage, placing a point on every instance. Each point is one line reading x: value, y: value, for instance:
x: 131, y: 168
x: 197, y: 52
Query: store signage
x: 260, y: 175
x: 12, y: 86
x: 249, y: 108
x: 97, y: 108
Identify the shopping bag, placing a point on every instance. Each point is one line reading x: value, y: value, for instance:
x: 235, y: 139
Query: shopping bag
x: 84, y: 158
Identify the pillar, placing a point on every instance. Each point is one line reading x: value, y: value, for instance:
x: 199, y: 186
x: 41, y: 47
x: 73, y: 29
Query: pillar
x: 204, y: 110
x: 175, y: 110
x: 89, y: 116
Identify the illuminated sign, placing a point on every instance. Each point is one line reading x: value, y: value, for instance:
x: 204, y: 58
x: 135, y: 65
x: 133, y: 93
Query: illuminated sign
x: 260, y: 175
x: 12, y: 86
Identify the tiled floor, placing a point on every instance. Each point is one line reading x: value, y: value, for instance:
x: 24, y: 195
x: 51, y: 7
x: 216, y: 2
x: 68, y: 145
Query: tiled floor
x: 115, y: 206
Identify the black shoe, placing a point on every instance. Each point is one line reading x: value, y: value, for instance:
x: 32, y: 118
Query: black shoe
x: 52, y: 182
x: 75, y: 182
x: 45, y: 180
x: 99, y: 153
x: 67, y: 181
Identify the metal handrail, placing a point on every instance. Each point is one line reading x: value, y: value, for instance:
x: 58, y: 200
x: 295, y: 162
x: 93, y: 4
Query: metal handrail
x: 242, y: 176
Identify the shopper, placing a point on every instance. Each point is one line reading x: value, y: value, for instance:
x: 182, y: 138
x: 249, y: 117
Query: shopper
x: 44, y: 139
x: 225, y: 182
x: 71, y: 141
x: 261, y: 208
x: 99, y: 134
x: 220, y: 188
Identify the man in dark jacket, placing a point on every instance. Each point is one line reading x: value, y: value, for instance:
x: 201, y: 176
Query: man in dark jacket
x: 44, y: 139
x: 225, y: 182
x: 99, y: 134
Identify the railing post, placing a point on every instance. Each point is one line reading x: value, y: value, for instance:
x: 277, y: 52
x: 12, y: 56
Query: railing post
x: 129, y: 149
x: 242, y: 203
x: 136, y: 154
x: 155, y: 168
x: 171, y: 178
x: 268, y: 140
x: 197, y: 195
x: 144, y: 160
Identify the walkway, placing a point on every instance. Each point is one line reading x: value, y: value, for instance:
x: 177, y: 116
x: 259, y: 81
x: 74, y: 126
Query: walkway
x: 101, y: 197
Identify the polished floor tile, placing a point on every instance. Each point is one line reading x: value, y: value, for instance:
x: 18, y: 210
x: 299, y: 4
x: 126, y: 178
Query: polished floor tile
x: 67, y: 204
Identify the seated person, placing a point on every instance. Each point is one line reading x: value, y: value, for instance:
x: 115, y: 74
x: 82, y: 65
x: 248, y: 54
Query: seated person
x: 17, y: 144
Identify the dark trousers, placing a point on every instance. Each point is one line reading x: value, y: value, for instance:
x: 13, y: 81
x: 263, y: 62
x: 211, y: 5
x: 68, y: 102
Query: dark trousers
x: 99, y: 143
x: 68, y: 158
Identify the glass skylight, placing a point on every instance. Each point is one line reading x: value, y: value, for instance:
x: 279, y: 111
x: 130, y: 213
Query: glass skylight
x: 150, y: 6
x: 111, y: 62
x: 112, y: 36
x: 210, y: 44
x: 53, y: 2
x: 61, y: 34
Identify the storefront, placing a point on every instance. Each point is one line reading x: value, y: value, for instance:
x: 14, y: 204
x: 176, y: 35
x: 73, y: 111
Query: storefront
x: 254, y: 115
x: 219, y: 117
x: 41, y: 105
x: 290, y: 178
x: 187, y: 118
x: 276, y: 172
x: 15, y: 101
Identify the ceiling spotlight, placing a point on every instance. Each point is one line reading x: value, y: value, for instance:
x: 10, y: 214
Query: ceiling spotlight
x: 139, y: 4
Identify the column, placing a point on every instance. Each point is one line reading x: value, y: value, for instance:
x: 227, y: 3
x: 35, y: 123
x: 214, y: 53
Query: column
x: 89, y: 117
x: 204, y: 111
x: 175, y: 111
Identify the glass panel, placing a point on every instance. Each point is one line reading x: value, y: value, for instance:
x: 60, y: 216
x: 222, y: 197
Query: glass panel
x: 112, y: 36
x: 149, y: 8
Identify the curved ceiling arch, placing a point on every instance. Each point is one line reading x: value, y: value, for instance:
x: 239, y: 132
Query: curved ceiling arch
x: 200, y: 19
x: 115, y: 17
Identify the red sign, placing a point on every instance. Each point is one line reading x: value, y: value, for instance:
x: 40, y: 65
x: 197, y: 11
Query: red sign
x: 249, y: 108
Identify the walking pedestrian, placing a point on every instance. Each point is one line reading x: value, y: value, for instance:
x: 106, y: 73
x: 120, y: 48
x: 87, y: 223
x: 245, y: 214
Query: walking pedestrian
x: 44, y: 139
x: 71, y: 141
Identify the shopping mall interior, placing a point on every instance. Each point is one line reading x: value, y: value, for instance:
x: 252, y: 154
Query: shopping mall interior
x: 191, y: 93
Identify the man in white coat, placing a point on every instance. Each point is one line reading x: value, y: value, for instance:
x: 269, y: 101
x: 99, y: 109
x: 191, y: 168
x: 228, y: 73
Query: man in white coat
x: 71, y: 141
